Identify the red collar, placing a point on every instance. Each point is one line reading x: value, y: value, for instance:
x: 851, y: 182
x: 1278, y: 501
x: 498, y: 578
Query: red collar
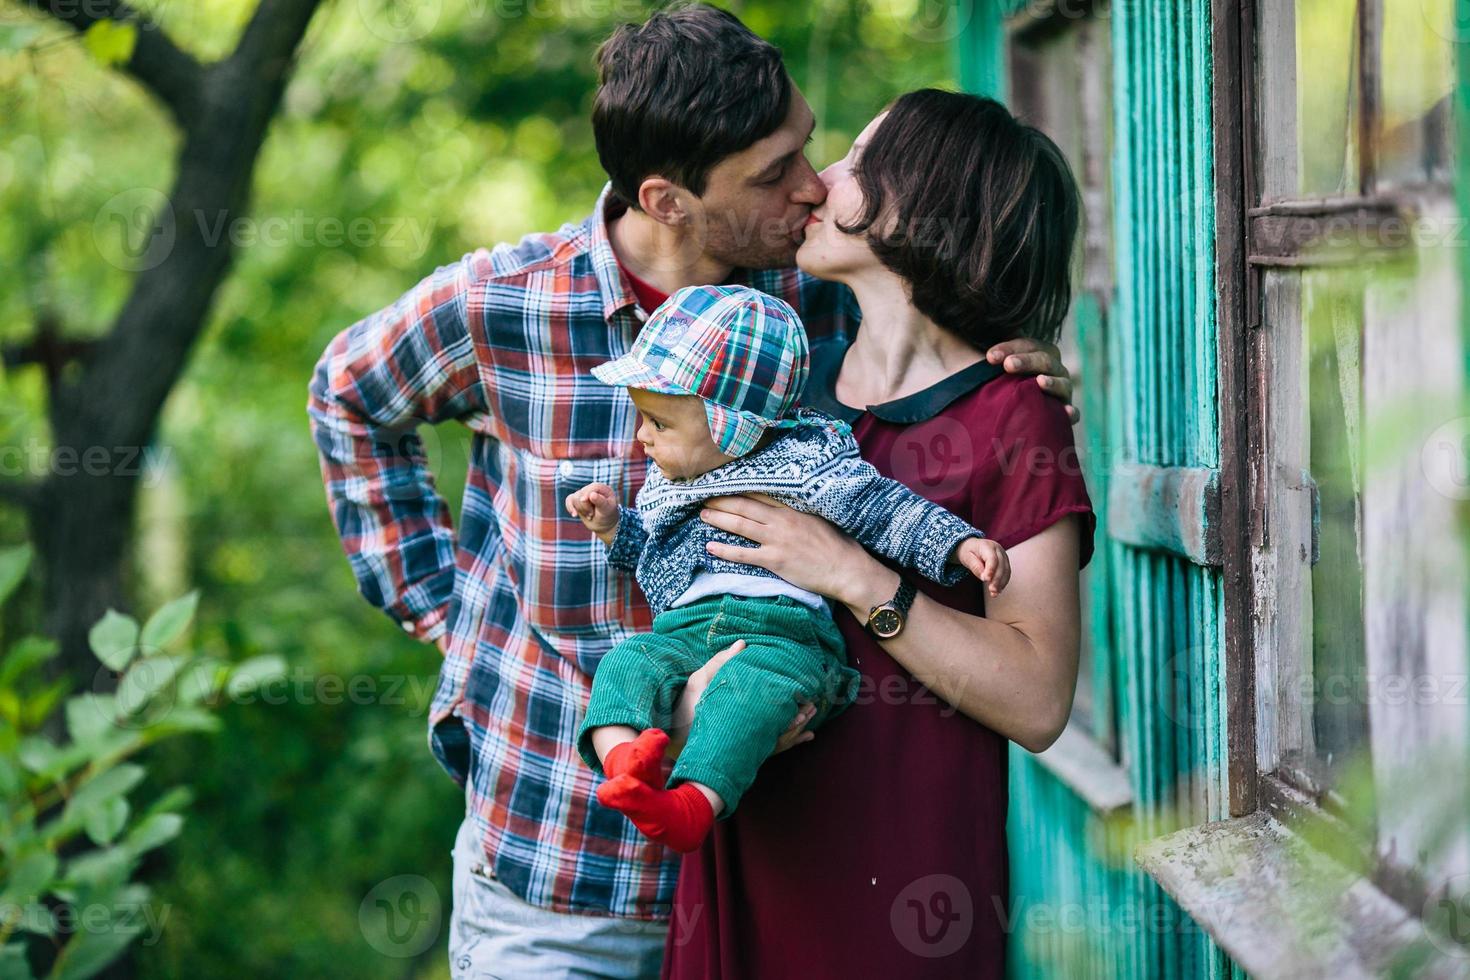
x: 650, y: 297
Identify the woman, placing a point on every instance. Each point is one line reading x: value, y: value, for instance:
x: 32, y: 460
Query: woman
x: 879, y: 849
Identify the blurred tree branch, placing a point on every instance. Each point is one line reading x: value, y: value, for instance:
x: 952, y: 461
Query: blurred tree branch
x: 19, y: 492
x: 170, y: 73
x: 81, y: 518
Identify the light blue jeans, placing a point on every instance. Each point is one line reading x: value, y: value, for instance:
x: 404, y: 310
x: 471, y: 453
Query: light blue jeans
x: 494, y: 934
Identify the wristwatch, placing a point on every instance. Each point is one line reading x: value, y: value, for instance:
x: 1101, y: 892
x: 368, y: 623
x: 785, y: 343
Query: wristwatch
x: 887, y: 620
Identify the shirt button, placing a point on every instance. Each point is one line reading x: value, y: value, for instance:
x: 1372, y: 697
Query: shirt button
x: 566, y: 468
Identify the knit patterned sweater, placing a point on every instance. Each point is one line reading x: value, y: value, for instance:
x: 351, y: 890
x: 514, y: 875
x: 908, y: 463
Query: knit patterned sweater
x: 814, y: 468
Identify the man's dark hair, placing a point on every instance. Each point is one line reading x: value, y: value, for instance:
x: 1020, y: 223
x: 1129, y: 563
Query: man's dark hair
x: 976, y: 211
x: 682, y: 91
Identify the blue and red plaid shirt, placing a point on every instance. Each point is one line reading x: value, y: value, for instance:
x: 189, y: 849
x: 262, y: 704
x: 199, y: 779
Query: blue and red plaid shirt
x: 505, y: 341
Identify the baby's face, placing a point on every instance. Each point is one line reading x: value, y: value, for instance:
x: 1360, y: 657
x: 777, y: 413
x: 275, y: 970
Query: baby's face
x: 675, y: 434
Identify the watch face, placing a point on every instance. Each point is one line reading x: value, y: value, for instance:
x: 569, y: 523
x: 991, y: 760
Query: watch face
x: 887, y: 622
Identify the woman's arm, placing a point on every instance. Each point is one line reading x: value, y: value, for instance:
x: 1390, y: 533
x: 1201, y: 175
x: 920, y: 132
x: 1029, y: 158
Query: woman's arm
x: 1014, y: 670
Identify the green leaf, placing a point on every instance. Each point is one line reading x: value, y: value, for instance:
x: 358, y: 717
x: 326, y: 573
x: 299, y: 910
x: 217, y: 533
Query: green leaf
x: 38, y: 707
x: 90, y: 716
x: 16, y: 38
x: 13, y: 965
x: 107, y: 785
x: 13, y: 564
x: 254, y: 672
x: 37, y: 753
x: 144, y: 679
x: 114, y: 637
x: 91, y: 950
x: 26, y: 655
x: 175, y: 799
x: 200, y: 680
x: 153, y: 831
x: 165, y: 625
x: 10, y: 783
x: 111, y: 42
x: 30, y: 878
x: 108, y: 866
x: 105, y: 821
x: 180, y: 721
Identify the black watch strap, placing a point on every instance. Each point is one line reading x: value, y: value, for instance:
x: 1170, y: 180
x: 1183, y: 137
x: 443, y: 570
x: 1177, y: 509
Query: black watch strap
x: 904, y: 598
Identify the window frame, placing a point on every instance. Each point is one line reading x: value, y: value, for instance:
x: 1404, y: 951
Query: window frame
x: 1257, y: 235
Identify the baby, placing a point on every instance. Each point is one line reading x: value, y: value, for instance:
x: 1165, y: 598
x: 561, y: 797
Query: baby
x: 715, y: 374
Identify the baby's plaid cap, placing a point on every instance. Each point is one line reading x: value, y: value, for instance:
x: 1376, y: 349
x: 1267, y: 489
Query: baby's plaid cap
x: 741, y: 350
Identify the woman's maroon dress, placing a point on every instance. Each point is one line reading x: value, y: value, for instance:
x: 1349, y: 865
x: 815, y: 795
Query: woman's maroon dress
x: 879, y: 849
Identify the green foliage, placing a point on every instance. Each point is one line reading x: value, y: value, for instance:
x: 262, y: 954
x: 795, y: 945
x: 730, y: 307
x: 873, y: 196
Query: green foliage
x: 471, y: 133
x: 69, y: 845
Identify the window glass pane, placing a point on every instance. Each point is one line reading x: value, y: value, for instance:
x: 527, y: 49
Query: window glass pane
x: 1417, y: 80
x: 1327, y: 97
x: 1332, y: 325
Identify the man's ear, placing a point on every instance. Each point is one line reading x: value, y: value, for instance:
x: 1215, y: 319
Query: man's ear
x: 663, y: 201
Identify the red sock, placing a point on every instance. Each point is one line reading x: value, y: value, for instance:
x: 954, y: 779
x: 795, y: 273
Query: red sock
x: 642, y: 758
x: 679, y: 818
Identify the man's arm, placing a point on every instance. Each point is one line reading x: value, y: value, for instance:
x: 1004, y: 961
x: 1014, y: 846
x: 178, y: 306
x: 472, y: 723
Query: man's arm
x: 409, y: 364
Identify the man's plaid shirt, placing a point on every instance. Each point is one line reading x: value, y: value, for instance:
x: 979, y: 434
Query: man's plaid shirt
x: 505, y: 341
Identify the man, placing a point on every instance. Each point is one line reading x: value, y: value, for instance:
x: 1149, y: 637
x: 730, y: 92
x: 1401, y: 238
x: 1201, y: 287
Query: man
x: 701, y: 133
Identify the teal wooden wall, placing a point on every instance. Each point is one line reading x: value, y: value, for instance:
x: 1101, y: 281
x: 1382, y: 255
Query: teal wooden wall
x: 1082, y: 909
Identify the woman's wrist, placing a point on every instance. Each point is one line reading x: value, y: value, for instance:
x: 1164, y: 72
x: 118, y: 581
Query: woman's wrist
x: 874, y: 586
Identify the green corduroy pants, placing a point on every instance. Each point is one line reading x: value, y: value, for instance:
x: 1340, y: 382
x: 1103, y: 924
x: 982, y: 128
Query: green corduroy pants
x: 792, y: 654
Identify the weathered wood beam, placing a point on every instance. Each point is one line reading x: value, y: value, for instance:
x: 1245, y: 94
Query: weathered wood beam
x: 1173, y: 509
x: 1283, y: 910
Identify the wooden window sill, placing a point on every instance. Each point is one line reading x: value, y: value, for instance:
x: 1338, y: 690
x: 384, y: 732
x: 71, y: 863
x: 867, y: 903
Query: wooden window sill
x: 1086, y: 768
x: 1283, y: 910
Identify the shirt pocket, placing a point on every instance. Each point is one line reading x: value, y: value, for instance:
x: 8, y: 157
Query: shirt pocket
x: 559, y: 567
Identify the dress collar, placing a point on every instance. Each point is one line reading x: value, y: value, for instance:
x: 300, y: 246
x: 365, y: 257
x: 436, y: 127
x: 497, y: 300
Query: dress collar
x: 827, y: 356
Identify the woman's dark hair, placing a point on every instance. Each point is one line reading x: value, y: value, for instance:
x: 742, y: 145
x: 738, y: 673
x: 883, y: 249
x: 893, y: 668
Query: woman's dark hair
x: 976, y: 211
x: 682, y: 91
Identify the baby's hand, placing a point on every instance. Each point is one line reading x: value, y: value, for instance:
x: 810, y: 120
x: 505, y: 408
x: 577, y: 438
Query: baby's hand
x: 597, y: 508
x: 986, y: 560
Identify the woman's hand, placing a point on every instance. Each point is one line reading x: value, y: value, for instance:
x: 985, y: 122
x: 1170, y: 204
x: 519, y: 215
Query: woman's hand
x: 804, y: 549
x: 699, y: 681
x: 1026, y: 356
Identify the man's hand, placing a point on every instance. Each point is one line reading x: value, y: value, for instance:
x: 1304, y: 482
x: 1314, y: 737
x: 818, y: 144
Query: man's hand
x: 596, y: 506
x: 986, y: 560
x: 1026, y: 356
